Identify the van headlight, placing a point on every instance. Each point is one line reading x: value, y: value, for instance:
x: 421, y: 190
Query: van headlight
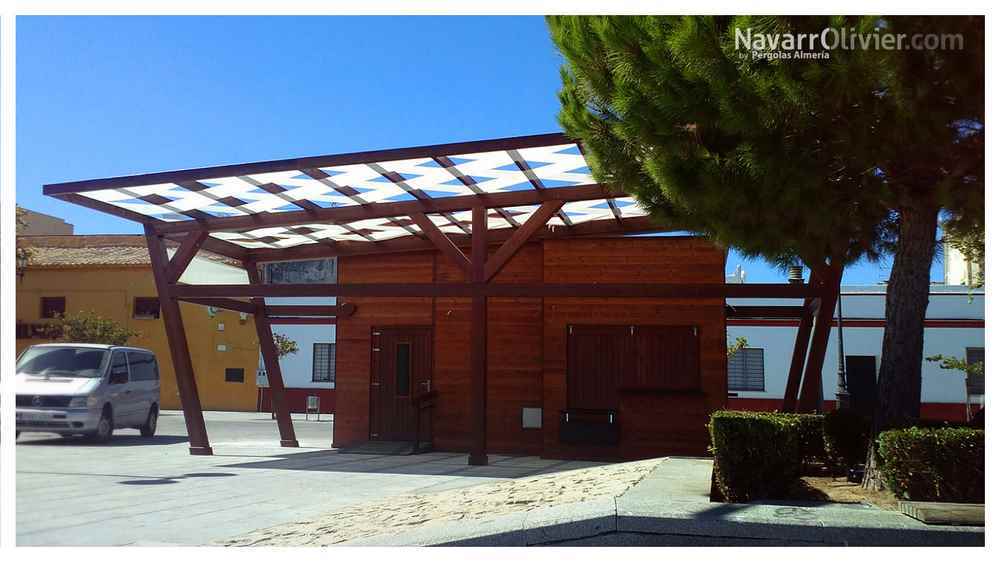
x: 79, y: 402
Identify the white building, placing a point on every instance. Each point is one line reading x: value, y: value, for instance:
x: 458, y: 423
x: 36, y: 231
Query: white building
x: 311, y: 370
x: 954, y: 327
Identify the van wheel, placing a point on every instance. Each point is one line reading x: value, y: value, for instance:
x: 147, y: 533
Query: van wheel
x: 149, y: 428
x: 105, y: 427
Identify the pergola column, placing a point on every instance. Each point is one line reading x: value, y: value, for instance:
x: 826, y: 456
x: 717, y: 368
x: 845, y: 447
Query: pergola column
x: 477, y: 349
x: 272, y: 366
x: 812, y: 385
x: 806, y: 321
x: 180, y: 355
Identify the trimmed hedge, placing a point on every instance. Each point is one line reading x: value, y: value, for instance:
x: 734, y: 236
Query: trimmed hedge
x: 812, y: 442
x: 756, y: 454
x: 845, y: 436
x: 947, y: 464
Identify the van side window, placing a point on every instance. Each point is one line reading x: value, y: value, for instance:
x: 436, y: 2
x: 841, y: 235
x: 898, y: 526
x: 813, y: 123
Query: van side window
x: 143, y: 366
x: 119, y: 368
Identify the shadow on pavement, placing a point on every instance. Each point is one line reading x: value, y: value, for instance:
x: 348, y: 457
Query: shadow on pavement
x: 116, y: 441
x: 432, y: 464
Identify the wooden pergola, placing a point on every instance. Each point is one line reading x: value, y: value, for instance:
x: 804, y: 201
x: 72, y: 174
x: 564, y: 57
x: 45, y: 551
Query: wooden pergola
x: 457, y: 199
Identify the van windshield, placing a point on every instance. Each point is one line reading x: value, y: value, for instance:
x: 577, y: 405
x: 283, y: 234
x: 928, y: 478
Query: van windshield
x: 63, y: 361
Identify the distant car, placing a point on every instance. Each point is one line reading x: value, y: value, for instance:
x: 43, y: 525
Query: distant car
x: 87, y: 389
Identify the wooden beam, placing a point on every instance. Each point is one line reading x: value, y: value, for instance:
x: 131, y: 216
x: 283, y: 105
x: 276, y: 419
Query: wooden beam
x: 520, y: 236
x: 224, y: 303
x: 342, y: 309
x: 232, y: 170
x: 812, y: 384
x: 269, y: 353
x: 352, y: 213
x: 764, y: 311
x: 651, y: 290
x: 631, y: 225
x: 477, y: 343
x: 183, y: 256
x: 180, y: 355
x: 441, y: 242
x: 302, y: 321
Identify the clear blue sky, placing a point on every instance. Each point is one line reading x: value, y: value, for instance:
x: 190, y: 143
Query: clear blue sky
x: 99, y: 97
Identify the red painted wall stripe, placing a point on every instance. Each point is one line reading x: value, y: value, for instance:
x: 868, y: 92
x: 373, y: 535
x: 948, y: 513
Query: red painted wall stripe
x: 861, y: 323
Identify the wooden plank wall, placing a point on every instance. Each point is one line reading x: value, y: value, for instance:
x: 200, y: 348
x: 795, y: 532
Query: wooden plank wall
x: 527, y: 341
x: 651, y: 424
x: 354, y: 359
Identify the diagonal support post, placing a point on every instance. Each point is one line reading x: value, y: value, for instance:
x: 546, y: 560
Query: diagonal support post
x: 184, y: 254
x: 811, y: 398
x: 442, y: 242
x: 271, y: 364
x: 794, y: 382
x: 180, y: 354
x: 521, y: 236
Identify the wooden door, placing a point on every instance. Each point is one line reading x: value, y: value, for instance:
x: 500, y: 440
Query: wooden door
x: 401, y: 369
x: 597, y: 358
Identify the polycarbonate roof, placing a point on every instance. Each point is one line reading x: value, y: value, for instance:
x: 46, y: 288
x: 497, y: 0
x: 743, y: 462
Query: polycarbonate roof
x: 522, y: 164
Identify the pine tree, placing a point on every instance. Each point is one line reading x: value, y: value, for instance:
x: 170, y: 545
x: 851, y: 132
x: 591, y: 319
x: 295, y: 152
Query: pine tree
x: 822, y: 161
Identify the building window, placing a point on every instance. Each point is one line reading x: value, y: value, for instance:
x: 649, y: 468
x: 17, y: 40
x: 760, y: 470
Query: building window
x: 976, y: 383
x: 324, y: 359
x: 746, y: 370
x: 53, y: 307
x: 146, y: 308
x: 234, y: 374
x: 403, y: 369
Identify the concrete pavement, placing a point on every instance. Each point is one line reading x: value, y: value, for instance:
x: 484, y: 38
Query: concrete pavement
x: 151, y: 491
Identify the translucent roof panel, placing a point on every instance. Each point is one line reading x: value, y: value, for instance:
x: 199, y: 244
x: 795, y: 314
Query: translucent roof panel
x: 423, y: 174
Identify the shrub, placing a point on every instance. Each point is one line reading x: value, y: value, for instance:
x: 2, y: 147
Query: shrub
x: 756, y: 454
x: 89, y: 327
x: 946, y: 464
x: 812, y: 445
x: 845, y: 436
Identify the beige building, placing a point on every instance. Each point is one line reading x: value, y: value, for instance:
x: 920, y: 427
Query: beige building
x: 40, y: 224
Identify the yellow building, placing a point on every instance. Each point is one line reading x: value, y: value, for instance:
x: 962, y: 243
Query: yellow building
x: 111, y: 276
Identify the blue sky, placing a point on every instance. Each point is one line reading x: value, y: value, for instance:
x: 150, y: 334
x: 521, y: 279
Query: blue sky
x: 99, y: 97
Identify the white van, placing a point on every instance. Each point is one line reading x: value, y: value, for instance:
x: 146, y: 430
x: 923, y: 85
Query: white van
x: 87, y: 389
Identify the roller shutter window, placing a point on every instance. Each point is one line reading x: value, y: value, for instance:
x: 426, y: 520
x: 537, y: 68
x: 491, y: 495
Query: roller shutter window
x: 746, y: 370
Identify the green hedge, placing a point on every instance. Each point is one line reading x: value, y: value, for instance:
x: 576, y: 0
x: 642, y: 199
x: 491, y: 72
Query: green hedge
x: 845, y: 436
x: 756, y: 454
x: 947, y: 464
x: 812, y: 444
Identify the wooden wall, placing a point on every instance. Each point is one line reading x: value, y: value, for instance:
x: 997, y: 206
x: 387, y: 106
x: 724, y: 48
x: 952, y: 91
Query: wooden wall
x: 354, y: 333
x: 527, y: 342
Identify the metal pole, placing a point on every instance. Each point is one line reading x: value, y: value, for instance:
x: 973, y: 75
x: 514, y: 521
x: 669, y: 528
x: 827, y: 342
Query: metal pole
x: 843, y: 395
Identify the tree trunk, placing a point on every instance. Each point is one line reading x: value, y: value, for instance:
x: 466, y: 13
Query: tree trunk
x: 906, y: 299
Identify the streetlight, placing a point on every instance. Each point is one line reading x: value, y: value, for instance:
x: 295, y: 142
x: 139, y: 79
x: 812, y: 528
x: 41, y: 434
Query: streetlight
x: 843, y: 395
x: 22, y: 264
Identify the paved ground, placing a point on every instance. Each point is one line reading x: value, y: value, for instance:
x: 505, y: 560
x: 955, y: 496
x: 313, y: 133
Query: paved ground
x: 150, y: 491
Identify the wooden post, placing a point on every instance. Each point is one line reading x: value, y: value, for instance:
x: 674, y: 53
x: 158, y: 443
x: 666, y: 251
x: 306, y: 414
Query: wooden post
x: 477, y: 347
x: 802, y: 336
x: 798, y: 359
x: 811, y: 398
x: 180, y: 355
x: 269, y: 352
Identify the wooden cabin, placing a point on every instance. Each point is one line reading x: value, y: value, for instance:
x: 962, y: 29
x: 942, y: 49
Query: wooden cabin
x: 567, y: 377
